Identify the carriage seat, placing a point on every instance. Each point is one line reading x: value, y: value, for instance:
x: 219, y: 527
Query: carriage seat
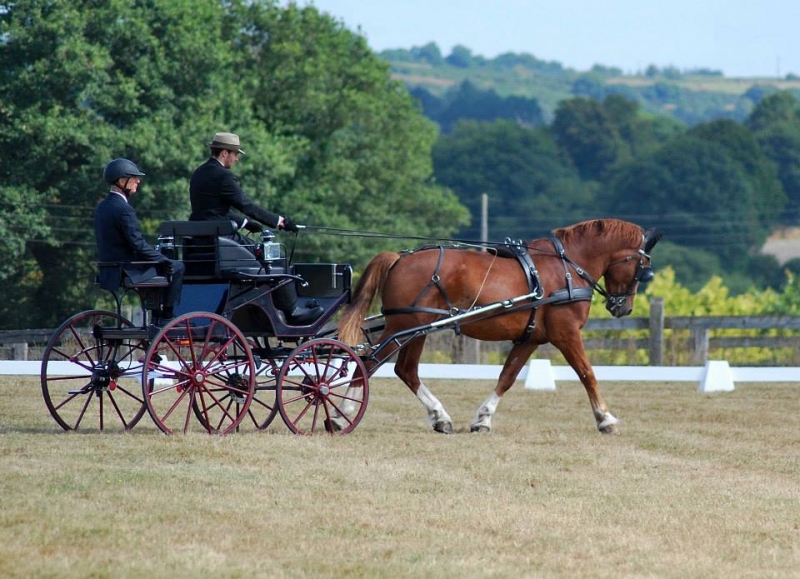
x: 158, y: 281
x: 236, y: 261
x: 126, y: 283
x: 149, y: 291
x: 209, y: 253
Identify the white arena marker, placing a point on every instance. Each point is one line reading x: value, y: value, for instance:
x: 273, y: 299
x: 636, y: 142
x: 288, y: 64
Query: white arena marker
x: 718, y: 377
x: 540, y: 376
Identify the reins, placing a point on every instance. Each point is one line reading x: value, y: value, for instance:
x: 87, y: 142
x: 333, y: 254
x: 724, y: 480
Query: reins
x: 378, y: 235
x: 613, y: 300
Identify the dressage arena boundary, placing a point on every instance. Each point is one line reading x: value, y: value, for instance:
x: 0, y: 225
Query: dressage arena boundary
x: 540, y: 375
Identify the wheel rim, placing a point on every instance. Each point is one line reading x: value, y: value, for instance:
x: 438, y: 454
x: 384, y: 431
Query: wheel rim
x: 198, y: 372
x: 322, y: 388
x: 92, y: 383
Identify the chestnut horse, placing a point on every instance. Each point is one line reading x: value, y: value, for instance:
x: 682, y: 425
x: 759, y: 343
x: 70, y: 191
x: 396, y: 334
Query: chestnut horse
x: 487, y: 296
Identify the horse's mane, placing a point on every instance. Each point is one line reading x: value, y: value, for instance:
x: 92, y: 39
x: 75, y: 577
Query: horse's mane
x: 624, y: 230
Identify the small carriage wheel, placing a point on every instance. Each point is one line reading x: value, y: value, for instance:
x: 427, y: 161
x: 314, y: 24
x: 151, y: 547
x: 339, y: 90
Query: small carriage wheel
x: 263, y: 408
x: 199, y: 365
x: 323, y: 387
x: 90, y: 382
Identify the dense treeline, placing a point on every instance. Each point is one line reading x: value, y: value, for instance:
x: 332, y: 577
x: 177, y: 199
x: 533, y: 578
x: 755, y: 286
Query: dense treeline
x: 334, y: 142
x: 330, y: 139
x: 718, y: 188
x: 715, y: 169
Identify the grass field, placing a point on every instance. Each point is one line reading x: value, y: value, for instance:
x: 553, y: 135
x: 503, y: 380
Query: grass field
x: 696, y: 486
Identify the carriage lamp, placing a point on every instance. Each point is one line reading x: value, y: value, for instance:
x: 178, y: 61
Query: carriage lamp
x: 166, y: 246
x: 268, y: 250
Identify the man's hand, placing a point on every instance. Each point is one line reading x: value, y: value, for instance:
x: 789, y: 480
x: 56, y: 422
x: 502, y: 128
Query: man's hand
x: 289, y: 225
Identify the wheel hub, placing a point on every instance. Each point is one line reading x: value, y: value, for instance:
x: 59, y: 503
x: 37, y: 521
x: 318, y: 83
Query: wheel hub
x: 101, y: 378
x: 240, y: 383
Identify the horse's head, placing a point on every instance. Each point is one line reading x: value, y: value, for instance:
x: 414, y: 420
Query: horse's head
x: 627, y: 269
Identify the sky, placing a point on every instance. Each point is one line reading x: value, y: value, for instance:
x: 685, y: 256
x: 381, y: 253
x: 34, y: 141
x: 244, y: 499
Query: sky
x: 741, y: 38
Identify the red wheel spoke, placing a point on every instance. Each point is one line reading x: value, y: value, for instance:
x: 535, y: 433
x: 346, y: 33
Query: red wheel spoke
x: 95, y: 367
x: 217, y: 369
x: 323, y: 374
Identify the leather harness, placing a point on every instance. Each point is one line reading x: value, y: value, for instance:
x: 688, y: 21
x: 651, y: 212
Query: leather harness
x: 510, y: 248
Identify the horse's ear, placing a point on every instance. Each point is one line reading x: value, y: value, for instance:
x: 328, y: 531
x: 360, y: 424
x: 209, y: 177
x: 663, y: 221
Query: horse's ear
x: 651, y: 237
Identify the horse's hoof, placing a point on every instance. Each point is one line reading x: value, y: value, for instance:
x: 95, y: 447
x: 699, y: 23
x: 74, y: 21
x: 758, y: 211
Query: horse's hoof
x: 610, y: 429
x: 479, y: 428
x: 443, y: 427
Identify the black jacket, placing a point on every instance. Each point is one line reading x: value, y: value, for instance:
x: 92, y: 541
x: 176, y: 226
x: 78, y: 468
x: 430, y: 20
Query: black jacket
x: 119, y: 239
x: 213, y: 190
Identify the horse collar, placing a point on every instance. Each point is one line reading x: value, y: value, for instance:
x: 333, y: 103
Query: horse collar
x: 561, y: 252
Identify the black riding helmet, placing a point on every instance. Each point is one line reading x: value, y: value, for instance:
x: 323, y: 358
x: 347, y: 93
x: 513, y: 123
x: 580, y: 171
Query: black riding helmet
x: 119, y: 168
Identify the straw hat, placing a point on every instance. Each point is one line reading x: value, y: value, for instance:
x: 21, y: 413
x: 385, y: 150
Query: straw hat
x: 228, y: 141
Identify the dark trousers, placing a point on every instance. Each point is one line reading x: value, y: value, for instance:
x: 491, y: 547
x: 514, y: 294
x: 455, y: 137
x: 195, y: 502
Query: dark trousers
x: 172, y: 294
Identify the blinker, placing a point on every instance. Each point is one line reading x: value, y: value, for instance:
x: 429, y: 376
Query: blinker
x: 645, y: 275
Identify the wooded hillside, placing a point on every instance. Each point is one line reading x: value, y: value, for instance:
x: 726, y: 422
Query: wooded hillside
x: 690, y: 96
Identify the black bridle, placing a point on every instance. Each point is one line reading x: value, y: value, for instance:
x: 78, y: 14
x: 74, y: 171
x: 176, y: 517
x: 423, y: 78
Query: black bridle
x: 643, y: 274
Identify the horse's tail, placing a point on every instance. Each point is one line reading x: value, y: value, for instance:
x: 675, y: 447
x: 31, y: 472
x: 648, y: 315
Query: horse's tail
x: 371, y: 281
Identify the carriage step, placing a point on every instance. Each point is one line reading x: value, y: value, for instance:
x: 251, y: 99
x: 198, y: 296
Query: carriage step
x: 101, y: 333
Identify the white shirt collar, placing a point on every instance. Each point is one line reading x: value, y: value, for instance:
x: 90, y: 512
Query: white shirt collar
x: 120, y: 194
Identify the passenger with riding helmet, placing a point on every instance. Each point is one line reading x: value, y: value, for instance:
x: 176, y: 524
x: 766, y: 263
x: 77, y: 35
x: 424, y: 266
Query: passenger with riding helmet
x: 120, y: 240
x: 214, y: 190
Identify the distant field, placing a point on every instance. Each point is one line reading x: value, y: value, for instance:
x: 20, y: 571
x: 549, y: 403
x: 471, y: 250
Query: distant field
x: 735, y: 86
x: 696, y: 486
x: 783, y: 244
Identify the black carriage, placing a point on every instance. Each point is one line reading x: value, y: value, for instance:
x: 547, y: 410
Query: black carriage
x: 229, y: 360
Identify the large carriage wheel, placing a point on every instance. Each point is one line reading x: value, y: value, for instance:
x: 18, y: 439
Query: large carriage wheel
x: 323, y: 386
x: 89, y: 382
x: 200, y: 368
x: 263, y: 409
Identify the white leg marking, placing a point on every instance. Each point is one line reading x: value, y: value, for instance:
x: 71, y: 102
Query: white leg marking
x: 349, y: 404
x: 436, y: 412
x: 608, y: 420
x: 485, y: 412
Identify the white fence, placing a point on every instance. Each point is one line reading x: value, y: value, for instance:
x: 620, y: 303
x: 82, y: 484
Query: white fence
x: 715, y: 376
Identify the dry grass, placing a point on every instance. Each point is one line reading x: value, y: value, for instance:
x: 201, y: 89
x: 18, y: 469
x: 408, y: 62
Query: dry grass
x: 696, y: 486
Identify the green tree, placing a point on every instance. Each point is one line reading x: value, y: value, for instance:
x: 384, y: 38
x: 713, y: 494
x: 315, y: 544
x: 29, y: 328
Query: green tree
x: 775, y: 123
x: 588, y: 138
x: 767, y: 198
x: 80, y: 86
x: 344, y: 145
x: 696, y: 192
x: 773, y: 109
x: 331, y: 138
x: 693, y: 267
x: 460, y: 57
x: 530, y: 191
x: 429, y: 53
x: 467, y: 101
